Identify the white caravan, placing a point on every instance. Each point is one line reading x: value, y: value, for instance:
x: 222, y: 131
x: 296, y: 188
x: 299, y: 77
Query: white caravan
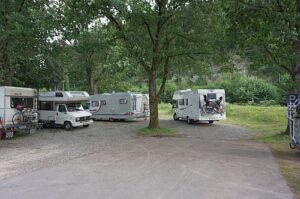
x: 119, y: 106
x: 18, y: 110
x: 199, y: 105
x: 64, y: 108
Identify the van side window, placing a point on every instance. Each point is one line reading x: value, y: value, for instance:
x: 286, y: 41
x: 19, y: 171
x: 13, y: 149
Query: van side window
x: 103, y: 102
x: 46, y: 106
x: 181, y: 102
x: 25, y: 101
x: 186, y: 101
x: 62, y: 108
x: 123, y: 101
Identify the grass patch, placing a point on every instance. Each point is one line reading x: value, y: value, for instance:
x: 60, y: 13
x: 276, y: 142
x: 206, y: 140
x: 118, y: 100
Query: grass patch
x: 165, y: 111
x: 158, y: 132
x: 266, y: 122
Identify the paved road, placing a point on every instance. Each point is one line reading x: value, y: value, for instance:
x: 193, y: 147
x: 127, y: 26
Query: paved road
x: 108, y: 160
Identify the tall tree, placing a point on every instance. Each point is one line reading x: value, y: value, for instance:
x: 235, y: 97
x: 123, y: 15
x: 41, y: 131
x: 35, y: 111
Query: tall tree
x: 157, y: 34
x: 268, y: 33
x: 25, y: 30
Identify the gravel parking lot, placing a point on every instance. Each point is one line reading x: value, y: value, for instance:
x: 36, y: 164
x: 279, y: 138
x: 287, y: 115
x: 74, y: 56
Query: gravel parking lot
x: 109, y: 160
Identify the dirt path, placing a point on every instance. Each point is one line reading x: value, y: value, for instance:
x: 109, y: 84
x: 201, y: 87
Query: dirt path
x: 108, y: 160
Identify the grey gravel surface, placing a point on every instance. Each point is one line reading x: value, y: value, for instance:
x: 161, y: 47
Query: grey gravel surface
x: 108, y: 160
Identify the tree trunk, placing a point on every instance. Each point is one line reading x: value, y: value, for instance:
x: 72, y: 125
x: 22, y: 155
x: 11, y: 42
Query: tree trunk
x: 90, y: 80
x: 7, y: 70
x: 94, y: 88
x: 153, y: 100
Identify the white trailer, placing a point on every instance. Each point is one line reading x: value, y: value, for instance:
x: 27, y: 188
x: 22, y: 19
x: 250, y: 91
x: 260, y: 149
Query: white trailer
x: 64, y: 108
x: 199, y: 105
x: 18, y: 110
x: 119, y: 106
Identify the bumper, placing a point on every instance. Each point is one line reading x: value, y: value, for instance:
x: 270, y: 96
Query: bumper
x: 83, y: 123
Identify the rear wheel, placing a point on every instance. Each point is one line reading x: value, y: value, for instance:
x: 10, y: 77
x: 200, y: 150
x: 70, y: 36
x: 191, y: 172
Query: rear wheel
x: 175, y: 117
x: 68, y: 126
x: 189, y: 121
x: 86, y: 125
x: 210, y: 121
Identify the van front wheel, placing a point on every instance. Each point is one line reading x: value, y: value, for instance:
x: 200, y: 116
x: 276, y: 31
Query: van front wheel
x: 68, y: 126
x: 189, y: 121
x: 175, y: 117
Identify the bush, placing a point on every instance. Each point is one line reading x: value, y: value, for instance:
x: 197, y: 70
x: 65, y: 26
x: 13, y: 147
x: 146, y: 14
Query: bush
x: 167, y: 96
x: 241, y: 88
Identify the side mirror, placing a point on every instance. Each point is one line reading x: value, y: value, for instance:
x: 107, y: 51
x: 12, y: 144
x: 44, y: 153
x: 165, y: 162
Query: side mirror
x: 173, y: 106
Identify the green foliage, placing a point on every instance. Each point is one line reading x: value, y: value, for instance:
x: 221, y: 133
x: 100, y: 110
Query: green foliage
x: 264, y: 33
x: 157, y: 132
x: 244, y: 89
x: 170, y: 88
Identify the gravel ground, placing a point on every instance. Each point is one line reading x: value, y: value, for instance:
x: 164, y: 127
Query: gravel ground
x: 108, y: 160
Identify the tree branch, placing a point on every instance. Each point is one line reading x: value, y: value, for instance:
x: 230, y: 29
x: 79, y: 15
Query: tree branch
x: 114, y: 21
x: 21, y: 6
x: 278, y: 62
x: 165, y: 76
x: 145, y: 65
x: 259, y: 7
x: 190, y: 53
x: 149, y: 31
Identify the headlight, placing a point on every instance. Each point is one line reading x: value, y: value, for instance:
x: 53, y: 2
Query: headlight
x: 77, y: 119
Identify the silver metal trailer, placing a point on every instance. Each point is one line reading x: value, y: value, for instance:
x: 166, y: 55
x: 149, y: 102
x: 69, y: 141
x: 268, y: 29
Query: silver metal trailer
x: 199, y: 105
x: 18, y: 110
x: 119, y: 106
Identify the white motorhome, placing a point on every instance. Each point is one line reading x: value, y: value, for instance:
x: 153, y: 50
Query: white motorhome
x: 64, y: 108
x: 18, y: 110
x: 119, y: 106
x: 199, y: 105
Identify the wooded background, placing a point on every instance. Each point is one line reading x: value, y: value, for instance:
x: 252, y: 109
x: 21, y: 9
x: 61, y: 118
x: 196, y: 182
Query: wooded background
x: 250, y: 48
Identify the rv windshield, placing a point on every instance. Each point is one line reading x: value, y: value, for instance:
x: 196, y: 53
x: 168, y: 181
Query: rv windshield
x: 74, y: 107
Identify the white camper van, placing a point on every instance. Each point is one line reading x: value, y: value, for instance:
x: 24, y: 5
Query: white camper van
x: 18, y: 110
x: 64, y: 108
x: 199, y: 105
x: 119, y: 106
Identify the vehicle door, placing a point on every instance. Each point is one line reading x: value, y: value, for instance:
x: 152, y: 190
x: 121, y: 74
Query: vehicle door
x: 61, y: 114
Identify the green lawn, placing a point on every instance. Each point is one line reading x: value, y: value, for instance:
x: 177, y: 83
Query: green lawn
x: 160, y: 132
x: 266, y: 124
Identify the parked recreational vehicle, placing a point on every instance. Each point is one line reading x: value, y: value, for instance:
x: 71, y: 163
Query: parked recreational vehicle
x: 119, y: 106
x: 199, y: 105
x: 64, y: 108
x: 17, y: 110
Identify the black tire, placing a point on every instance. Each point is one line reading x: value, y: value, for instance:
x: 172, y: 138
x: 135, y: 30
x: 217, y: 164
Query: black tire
x: 175, y: 117
x: 210, y: 121
x: 189, y: 121
x: 87, y: 125
x: 68, y: 126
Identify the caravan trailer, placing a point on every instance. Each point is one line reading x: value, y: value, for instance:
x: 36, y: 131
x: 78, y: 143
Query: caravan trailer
x: 64, y: 108
x: 199, y: 105
x: 18, y: 110
x: 119, y: 106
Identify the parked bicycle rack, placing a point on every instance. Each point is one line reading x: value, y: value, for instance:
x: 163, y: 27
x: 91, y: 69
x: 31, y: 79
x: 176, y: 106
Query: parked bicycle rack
x: 294, y: 123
